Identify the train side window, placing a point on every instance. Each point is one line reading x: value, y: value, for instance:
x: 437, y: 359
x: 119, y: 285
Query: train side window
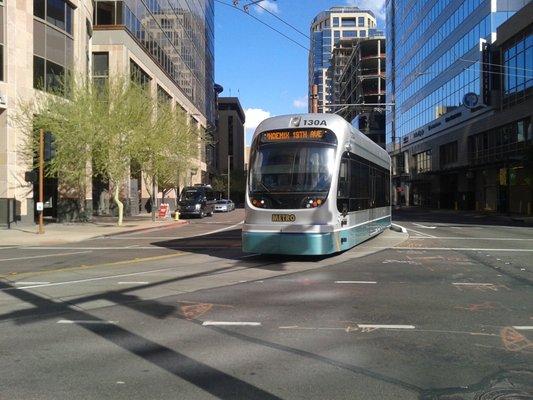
x: 343, y: 187
x: 359, y: 185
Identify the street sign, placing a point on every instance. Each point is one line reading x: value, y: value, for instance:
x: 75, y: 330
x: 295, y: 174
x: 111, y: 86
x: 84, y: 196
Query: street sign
x: 164, y: 210
x: 40, y: 206
x: 470, y: 100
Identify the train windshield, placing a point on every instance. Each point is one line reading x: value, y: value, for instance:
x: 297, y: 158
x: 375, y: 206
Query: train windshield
x: 290, y: 174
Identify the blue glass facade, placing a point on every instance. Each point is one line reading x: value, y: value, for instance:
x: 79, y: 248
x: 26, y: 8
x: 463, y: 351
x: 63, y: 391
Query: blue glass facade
x: 433, y: 56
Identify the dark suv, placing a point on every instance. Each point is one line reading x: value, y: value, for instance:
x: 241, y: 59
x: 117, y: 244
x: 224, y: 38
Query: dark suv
x: 197, y: 200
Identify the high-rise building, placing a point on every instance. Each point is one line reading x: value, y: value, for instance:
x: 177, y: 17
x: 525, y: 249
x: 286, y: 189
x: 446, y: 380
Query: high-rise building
x: 230, y: 134
x: 460, y: 76
x: 327, y: 28
x: 358, y: 73
x: 39, y: 41
x: 167, y: 46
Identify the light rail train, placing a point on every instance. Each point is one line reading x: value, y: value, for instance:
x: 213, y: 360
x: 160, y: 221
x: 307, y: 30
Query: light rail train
x: 316, y: 185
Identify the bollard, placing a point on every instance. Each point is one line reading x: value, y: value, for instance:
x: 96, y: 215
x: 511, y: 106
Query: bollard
x: 456, y: 207
x: 176, y: 216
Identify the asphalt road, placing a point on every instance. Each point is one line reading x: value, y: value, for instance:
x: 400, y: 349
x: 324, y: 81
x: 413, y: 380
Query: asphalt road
x: 443, y: 311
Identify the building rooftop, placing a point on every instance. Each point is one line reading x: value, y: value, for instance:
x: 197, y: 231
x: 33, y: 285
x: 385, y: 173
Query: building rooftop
x: 232, y: 101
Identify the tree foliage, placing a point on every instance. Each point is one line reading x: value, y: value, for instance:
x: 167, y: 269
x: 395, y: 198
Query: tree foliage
x: 101, y: 129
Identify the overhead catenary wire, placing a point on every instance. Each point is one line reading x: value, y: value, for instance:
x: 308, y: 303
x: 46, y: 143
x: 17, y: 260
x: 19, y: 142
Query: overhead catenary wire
x: 264, y: 23
x: 495, y: 65
x: 283, y: 21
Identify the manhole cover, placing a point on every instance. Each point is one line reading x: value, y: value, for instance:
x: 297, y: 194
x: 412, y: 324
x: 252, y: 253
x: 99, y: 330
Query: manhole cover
x: 509, y: 385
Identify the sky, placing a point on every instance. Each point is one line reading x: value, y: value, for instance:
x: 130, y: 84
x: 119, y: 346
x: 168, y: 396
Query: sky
x: 265, y: 70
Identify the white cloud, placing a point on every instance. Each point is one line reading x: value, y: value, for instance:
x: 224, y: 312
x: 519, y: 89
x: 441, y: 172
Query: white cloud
x: 268, y: 5
x: 377, y: 6
x: 300, y: 102
x: 254, y: 116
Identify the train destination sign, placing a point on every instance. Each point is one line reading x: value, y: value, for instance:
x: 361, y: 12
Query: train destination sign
x: 320, y: 135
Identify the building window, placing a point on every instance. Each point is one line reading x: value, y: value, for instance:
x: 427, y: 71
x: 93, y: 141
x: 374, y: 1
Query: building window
x: 518, y: 69
x: 138, y: 75
x: 163, y: 96
x: 362, y: 33
x: 38, y: 73
x: 100, y: 68
x: 361, y: 21
x: 56, y: 12
x: 500, y: 143
x: 348, y: 22
x: 349, y: 34
x: 108, y: 13
x: 1, y: 62
x: 230, y: 136
x: 55, y: 75
x: 423, y: 161
x: 448, y: 154
x: 335, y: 21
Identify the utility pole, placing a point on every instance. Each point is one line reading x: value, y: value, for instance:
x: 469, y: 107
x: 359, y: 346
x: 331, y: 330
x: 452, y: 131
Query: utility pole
x: 41, y: 180
x: 314, y: 98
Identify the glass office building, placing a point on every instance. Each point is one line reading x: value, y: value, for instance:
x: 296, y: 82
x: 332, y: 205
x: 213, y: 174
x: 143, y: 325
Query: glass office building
x: 433, y: 56
x: 178, y: 35
x: 328, y: 28
x: 460, y: 75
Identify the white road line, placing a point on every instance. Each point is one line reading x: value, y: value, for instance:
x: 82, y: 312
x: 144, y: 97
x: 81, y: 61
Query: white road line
x: 46, y: 255
x: 230, y: 323
x: 143, y: 237
x: 363, y: 282
x: 523, y: 328
x: 461, y: 248
x: 472, y: 284
x: 90, y: 279
x: 31, y: 283
x: 473, y: 238
x: 68, y: 321
x: 421, y: 233
x: 424, y: 226
x: 386, y: 326
x: 218, y: 230
x: 132, y: 283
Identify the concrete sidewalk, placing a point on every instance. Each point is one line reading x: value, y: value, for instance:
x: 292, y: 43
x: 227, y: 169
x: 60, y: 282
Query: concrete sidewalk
x: 56, y: 233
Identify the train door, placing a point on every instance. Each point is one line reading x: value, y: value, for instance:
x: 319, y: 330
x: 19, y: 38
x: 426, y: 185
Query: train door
x: 372, y: 202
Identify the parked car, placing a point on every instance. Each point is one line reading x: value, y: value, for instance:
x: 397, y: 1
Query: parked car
x: 197, y: 200
x: 224, y: 205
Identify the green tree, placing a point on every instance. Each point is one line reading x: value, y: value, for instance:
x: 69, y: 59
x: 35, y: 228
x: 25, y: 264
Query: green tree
x: 71, y: 121
x: 122, y: 113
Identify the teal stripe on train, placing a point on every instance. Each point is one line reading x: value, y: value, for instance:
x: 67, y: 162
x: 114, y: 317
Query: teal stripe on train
x: 311, y: 243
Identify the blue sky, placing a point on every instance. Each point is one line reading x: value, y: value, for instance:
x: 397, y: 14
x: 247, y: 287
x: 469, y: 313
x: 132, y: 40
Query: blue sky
x: 265, y: 70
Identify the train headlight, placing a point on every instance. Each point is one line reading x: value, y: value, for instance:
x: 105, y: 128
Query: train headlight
x: 198, y: 207
x: 313, y: 202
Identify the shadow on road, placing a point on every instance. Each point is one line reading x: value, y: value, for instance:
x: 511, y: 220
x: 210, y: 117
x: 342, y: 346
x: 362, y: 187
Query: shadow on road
x: 203, y: 376
x: 228, y: 245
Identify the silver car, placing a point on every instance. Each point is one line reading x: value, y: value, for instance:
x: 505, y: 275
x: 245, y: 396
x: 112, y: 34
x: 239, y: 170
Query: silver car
x: 224, y: 205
